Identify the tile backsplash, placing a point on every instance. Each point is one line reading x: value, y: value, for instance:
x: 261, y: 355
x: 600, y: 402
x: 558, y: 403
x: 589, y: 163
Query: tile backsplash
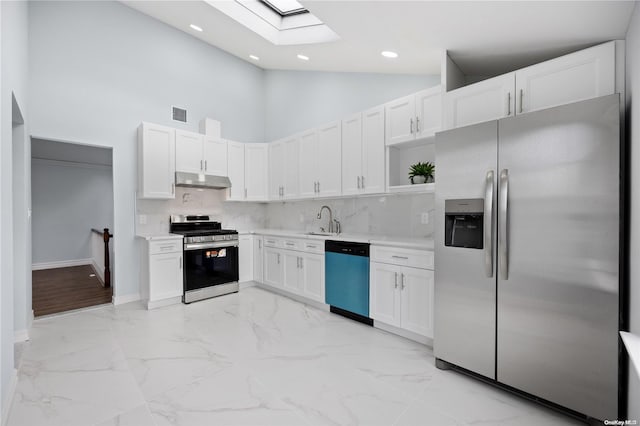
x: 233, y: 215
x: 398, y: 215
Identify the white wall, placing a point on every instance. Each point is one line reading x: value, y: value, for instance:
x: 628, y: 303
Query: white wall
x: 97, y: 69
x: 68, y: 200
x: 633, y: 135
x: 13, y: 69
x: 299, y: 100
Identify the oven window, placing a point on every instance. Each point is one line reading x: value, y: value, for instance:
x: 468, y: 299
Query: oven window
x: 211, y: 266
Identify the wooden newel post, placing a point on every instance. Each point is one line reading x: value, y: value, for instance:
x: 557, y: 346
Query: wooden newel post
x: 107, y: 270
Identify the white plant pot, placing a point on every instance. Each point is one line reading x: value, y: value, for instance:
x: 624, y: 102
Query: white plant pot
x: 418, y: 179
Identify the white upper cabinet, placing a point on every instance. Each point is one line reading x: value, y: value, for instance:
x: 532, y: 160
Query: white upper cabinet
x: 352, y: 154
x: 373, y: 149
x: 329, y: 165
x: 401, y: 118
x: 291, y: 181
x: 429, y: 112
x: 308, y: 164
x: 276, y: 170
x: 586, y: 74
x: 189, y: 152
x: 363, y: 150
x: 156, y: 162
x: 575, y: 77
x: 196, y: 153
x: 256, y: 157
x: 235, y: 165
x: 484, y: 101
x: 215, y: 156
x: 413, y: 117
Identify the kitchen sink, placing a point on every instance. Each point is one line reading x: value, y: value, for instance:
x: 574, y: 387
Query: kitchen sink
x: 322, y: 234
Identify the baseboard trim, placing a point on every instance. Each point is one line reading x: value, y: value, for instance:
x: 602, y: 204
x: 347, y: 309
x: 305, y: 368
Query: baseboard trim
x: 98, y: 270
x: 60, y: 264
x: 20, y: 336
x: 301, y: 299
x: 404, y: 333
x: 6, y: 404
x: 164, y: 302
x: 247, y: 284
x: 127, y: 298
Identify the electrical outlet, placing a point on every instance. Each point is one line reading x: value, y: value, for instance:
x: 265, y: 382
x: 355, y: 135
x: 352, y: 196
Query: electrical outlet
x: 424, y: 218
x: 142, y: 219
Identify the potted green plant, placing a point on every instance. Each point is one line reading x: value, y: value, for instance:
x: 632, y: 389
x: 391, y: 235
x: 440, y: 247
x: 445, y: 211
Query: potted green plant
x: 422, y: 172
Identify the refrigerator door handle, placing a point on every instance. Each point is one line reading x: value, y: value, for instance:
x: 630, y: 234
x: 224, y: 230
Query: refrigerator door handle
x: 503, y: 224
x: 488, y: 225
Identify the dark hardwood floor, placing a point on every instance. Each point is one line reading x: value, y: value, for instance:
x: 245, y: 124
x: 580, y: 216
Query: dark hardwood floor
x: 65, y: 289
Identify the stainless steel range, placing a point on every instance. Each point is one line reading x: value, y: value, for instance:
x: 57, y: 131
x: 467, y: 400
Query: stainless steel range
x: 210, y: 257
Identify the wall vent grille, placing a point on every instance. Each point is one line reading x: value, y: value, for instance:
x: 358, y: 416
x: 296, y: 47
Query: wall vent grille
x: 179, y: 114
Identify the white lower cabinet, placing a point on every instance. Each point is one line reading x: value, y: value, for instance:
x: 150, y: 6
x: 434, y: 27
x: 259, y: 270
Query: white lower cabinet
x: 245, y: 258
x: 258, y: 258
x: 402, y: 296
x: 294, y: 265
x: 162, y: 272
x: 273, y: 267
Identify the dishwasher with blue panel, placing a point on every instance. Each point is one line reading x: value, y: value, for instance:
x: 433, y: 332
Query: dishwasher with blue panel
x: 347, y: 279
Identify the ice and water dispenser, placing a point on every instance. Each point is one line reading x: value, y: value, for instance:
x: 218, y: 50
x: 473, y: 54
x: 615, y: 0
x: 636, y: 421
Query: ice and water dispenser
x: 464, y: 223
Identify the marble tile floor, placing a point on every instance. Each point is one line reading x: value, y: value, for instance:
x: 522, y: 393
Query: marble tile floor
x: 252, y: 358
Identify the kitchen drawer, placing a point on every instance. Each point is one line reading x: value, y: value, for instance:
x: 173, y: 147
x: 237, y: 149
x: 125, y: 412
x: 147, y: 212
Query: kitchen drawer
x: 403, y: 257
x: 165, y: 246
x: 313, y: 246
x: 273, y: 242
x: 292, y: 244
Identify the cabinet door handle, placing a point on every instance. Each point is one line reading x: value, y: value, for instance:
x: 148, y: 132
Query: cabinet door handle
x: 301, y: 263
x: 362, y: 181
x: 395, y: 279
x: 411, y: 125
x: 180, y: 262
x: 521, y: 96
x: 278, y: 258
x: 417, y: 125
x: 400, y: 257
x: 201, y: 165
x: 173, y: 189
x: 401, y: 281
x: 205, y: 165
x: 318, y: 187
x: 508, y: 104
x: 358, y: 182
x: 259, y: 244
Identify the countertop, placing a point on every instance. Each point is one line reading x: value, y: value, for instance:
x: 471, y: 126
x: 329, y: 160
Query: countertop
x: 383, y: 240
x: 155, y: 237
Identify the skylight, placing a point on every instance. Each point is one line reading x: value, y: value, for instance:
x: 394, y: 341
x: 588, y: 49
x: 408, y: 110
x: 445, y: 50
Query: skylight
x: 282, y: 22
x: 285, y: 7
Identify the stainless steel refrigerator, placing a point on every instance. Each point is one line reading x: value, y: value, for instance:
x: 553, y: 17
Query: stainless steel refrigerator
x: 527, y: 253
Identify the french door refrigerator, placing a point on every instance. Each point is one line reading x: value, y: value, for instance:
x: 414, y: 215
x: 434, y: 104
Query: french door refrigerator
x: 527, y: 253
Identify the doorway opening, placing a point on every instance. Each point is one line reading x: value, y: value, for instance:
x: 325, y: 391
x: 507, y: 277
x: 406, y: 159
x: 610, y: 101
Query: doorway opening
x: 72, y: 226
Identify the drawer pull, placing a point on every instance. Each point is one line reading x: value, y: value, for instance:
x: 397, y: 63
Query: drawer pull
x: 290, y: 244
x: 400, y: 257
x: 311, y: 246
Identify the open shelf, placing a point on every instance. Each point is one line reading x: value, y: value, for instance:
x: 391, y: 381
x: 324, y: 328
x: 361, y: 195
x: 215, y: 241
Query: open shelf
x: 400, y: 157
x: 426, y: 188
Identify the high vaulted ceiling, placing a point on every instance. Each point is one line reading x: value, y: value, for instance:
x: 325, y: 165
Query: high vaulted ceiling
x: 484, y: 38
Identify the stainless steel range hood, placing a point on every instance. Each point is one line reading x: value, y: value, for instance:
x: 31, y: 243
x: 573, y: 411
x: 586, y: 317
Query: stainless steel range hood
x: 196, y: 180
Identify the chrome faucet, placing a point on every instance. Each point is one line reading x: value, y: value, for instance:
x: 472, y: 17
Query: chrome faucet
x: 330, y: 230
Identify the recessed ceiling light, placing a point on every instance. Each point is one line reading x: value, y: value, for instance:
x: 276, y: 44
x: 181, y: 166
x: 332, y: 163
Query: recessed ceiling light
x: 195, y: 27
x: 389, y: 54
x: 303, y: 57
x: 254, y: 57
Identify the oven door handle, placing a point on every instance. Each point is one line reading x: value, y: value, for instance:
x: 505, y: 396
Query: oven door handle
x: 202, y: 246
